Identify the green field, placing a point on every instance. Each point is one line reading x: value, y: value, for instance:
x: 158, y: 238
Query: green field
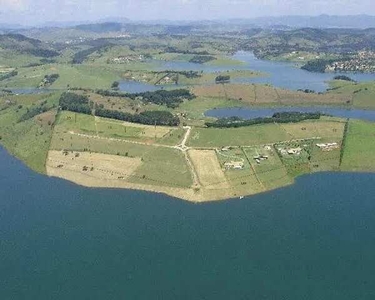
x: 163, y: 166
x: 28, y: 140
x: 271, y: 172
x: 244, y: 136
x: 359, y: 154
x: 75, y: 123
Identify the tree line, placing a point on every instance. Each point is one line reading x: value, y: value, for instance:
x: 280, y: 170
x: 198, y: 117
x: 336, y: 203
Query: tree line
x: 317, y: 65
x: 75, y: 103
x: 81, y: 104
x: 8, y: 75
x: 222, y: 79
x: 34, y: 111
x: 162, y: 118
x: 171, y: 99
x: 281, y: 117
x: 201, y: 59
x: 175, y: 50
x: 187, y: 74
x: 343, y: 77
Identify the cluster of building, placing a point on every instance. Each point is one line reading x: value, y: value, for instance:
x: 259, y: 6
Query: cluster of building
x: 260, y: 158
x: 76, y: 41
x: 127, y: 59
x: 290, y: 151
x: 364, y: 61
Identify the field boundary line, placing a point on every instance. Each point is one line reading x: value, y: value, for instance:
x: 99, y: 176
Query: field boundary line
x: 252, y: 168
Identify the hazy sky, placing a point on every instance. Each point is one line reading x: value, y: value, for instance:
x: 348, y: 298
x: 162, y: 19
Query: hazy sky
x: 40, y: 11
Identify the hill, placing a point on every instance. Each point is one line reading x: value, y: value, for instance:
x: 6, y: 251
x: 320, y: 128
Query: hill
x: 24, y: 45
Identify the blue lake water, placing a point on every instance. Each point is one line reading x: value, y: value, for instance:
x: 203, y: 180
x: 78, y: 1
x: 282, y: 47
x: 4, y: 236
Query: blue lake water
x: 251, y: 113
x: 314, y: 240
x: 279, y: 74
x: 131, y: 86
x: 287, y: 75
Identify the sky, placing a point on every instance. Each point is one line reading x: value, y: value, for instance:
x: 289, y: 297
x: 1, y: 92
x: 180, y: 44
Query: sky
x: 34, y: 12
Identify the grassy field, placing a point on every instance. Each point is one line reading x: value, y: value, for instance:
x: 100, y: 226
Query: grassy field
x: 359, y: 154
x: 270, y: 173
x: 328, y: 130
x: 28, y: 140
x: 242, y: 181
x: 261, y: 94
x: 163, y: 166
x: 84, y: 76
x: 295, y: 164
x: 244, y: 136
x: 69, y: 122
x: 363, y: 94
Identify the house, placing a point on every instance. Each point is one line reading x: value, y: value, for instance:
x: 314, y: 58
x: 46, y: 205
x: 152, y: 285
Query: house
x: 226, y: 148
x: 235, y: 165
x: 294, y: 151
x: 328, y: 146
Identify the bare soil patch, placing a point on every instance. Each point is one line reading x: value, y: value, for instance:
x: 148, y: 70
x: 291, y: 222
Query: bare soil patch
x: 208, y: 169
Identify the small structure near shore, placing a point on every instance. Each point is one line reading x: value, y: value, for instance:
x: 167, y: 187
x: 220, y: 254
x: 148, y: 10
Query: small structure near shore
x: 260, y: 158
x: 294, y: 151
x: 328, y: 146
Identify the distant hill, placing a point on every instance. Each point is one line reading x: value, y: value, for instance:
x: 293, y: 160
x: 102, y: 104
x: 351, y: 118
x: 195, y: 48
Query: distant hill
x: 322, y: 21
x: 24, y: 45
x: 271, y: 42
x: 100, y: 27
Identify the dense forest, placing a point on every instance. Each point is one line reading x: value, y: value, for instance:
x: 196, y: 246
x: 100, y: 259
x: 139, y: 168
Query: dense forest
x: 81, y: 56
x: 201, y: 59
x: 34, y: 111
x: 282, y: 117
x: 187, y: 74
x: 175, y: 50
x: 343, y: 77
x: 163, y: 118
x: 161, y: 97
x: 317, y: 65
x: 222, y: 79
x: 75, y: 103
x: 50, y: 79
x: 8, y: 75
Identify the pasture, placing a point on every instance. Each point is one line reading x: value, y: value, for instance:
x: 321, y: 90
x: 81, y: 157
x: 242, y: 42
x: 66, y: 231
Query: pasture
x: 359, y: 145
x: 270, y: 172
x: 243, y: 136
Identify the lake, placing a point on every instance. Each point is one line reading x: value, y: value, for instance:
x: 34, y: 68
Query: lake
x: 252, y: 113
x: 287, y: 75
x: 279, y: 74
x: 314, y: 240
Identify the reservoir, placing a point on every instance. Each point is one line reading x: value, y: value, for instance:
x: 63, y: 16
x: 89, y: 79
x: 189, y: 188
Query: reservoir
x: 279, y: 74
x: 313, y: 240
x: 289, y: 76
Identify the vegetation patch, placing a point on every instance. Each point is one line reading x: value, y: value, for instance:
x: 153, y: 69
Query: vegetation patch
x: 164, y: 118
x: 75, y: 103
x: 359, y: 146
x: 282, y: 117
x: 161, y: 97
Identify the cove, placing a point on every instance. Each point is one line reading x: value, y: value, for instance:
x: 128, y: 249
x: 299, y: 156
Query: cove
x: 312, y: 240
